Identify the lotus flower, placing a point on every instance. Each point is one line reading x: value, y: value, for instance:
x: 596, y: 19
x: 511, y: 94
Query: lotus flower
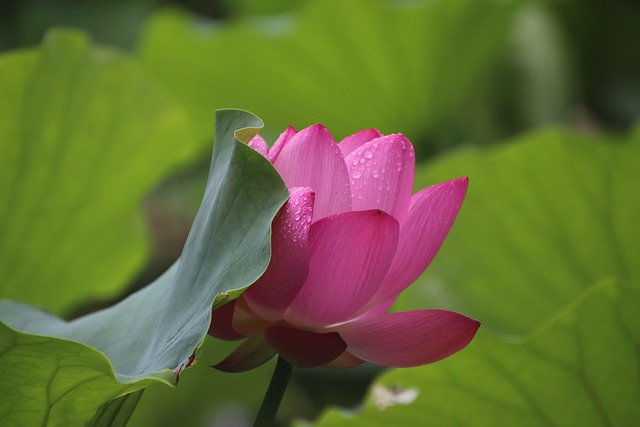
x: 350, y: 238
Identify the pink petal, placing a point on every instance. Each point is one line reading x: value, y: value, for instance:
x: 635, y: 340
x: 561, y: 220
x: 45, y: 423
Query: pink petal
x: 221, y: 323
x: 381, y: 173
x: 259, y: 144
x: 304, y: 349
x: 344, y: 361
x: 245, y: 321
x: 248, y: 355
x: 270, y: 296
x: 312, y: 159
x: 280, y: 142
x: 411, y: 338
x: 354, y: 141
x: 430, y: 218
x: 349, y: 255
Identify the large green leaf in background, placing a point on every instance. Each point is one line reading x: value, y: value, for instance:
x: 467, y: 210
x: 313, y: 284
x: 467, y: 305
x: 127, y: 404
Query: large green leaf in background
x: 84, y: 135
x: 397, y: 66
x: 580, y: 371
x: 152, y: 335
x: 545, y: 218
x: 544, y: 253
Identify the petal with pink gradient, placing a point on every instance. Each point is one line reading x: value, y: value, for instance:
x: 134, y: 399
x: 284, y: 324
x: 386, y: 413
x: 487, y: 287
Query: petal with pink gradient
x: 274, y: 291
x: 381, y: 173
x: 250, y: 354
x: 304, y: 349
x: 431, y: 215
x: 344, y: 361
x: 407, y: 339
x: 280, y: 142
x: 245, y: 321
x: 259, y: 144
x: 312, y: 159
x: 221, y: 323
x: 351, y: 142
x: 349, y: 255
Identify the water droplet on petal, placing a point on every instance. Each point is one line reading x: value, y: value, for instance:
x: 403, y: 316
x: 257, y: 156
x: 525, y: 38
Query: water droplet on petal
x: 368, y: 154
x: 357, y: 174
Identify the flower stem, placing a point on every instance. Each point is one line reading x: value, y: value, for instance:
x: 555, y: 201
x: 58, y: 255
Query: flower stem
x: 273, y: 397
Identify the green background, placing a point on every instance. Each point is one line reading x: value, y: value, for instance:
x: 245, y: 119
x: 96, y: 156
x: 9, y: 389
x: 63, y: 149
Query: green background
x: 105, y: 141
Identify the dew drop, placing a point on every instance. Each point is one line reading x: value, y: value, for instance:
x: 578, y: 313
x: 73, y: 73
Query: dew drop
x: 368, y: 154
x: 375, y: 174
x: 357, y: 174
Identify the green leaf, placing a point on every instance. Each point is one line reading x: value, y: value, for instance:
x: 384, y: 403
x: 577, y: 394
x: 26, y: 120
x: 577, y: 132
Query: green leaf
x: 545, y: 217
x: 53, y: 382
x: 116, y: 413
x: 349, y: 64
x: 84, y: 134
x: 582, y: 370
x: 152, y: 335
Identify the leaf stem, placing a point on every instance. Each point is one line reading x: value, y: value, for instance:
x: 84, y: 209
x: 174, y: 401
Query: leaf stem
x: 273, y: 397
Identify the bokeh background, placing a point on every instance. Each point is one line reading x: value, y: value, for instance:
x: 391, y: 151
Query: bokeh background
x: 536, y: 101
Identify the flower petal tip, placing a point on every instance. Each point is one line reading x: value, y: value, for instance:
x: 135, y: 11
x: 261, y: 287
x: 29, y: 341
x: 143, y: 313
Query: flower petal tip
x: 409, y: 339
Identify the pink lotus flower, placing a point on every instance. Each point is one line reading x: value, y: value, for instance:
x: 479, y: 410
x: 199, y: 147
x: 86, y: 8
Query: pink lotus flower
x: 350, y: 238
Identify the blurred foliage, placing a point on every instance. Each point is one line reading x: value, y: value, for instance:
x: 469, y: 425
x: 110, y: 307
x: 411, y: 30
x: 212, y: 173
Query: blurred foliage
x: 545, y: 238
x: 353, y: 64
x: 547, y: 215
x: 24, y: 23
x: 607, y: 63
x: 84, y: 134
